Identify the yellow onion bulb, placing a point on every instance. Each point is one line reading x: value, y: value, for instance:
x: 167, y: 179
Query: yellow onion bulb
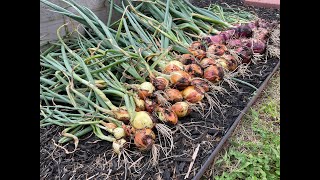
x: 216, y: 50
x: 144, y: 139
x: 173, y: 95
x: 187, y: 59
x: 180, y: 79
x: 229, y: 64
x: 201, y: 84
x: 121, y: 114
x: 167, y: 115
x: 192, y: 94
x: 205, y: 62
x: 145, y: 90
x: 139, y: 103
x: 141, y: 120
x: 117, y: 145
x: 213, y: 73
x: 150, y: 105
x: 194, y: 70
x: 199, y: 53
x: 160, y: 83
x: 119, y: 133
x: 173, y: 66
x: 181, y: 109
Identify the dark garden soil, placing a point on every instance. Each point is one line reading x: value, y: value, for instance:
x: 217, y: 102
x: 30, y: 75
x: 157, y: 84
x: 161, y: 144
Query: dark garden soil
x: 94, y: 158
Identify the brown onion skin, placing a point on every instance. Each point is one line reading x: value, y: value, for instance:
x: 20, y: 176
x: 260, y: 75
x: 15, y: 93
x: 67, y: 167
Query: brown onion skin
x: 194, y: 70
x: 150, y: 105
x: 213, y: 73
x: 192, y: 94
x: 173, y: 95
x: 199, y: 53
x: 160, y: 83
x: 230, y: 61
x: 201, y: 84
x: 216, y: 50
x: 171, y: 68
x: 179, y: 110
x: 180, y: 79
x: 187, y: 59
x: 196, y: 45
x: 144, y: 139
x: 169, y: 116
x: 205, y: 62
x: 143, y: 94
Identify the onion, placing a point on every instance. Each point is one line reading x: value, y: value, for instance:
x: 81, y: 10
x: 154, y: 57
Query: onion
x: 118, y: 145
x: 192, y: 94
x: 196, y: 45
x: 217, y: 39
x: 213, y: 73
x: 205, y: 62
x: 180, y: 79
x: 261, y: 34
x: 167, y: 115
x: 181, y: 109
x: 121, y: 114
x: 150, y: 105
x: 173, y: 95
x: 119, y: 133
x: 256, y: 45
x: 234, y: 43
x: 187, y: 59
x: 145, y: 90
x: 160, y: 83
x: 199, y: 53
x: 201, y: 84
x: 109, y: 126
x: 227, y: 34
x: 243, y: 31
x: 245, y: 53
x: 144, y: 139
x: 228, y: 62
x: 173, y: 66
x: 216, y: 50
x: 142, y: 120
x: 139, y: 103
x: 194, y: 70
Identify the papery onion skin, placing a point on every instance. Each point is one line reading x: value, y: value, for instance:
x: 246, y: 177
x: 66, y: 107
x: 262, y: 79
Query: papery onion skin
x: 205, y: 62
x: 194, y: 70
x: 187, y: 59
x: 180, y: 79
x: 196, y: 45
x: 216, y: 50
x: 245, y: 54
x: 122, y: 115
x: 144, y: 139
x: 228, y: 62
x: 173, y: 66
x: 160, y: 83
x: 181, y: 109
x: 213, y: 73
x: 192, y: 94
x: 145, y: 90
x: 173, y: 95
x: 243, y: 30
x: 119, y: 133
x: 118, y: 145
x: 167, y: 115
x: 140, y: 106
x: 150, y: 105
x: 142, y: 120
x: 201, y: 84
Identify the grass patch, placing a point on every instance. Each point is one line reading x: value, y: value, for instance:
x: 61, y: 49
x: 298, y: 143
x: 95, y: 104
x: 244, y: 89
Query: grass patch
x: 253, y: 152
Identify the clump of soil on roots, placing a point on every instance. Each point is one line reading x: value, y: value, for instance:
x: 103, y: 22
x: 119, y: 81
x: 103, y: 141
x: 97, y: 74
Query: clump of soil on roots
x: 94, y: 158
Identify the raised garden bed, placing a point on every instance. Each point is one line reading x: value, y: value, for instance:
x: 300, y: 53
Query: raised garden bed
x: 93, y: 159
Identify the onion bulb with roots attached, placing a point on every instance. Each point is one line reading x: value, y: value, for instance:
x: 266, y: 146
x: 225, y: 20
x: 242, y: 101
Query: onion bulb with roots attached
x: 187, y: 59
x: 142, y: 120
x: 180, y: 79
x: 181, y: 109
x: 144, y: 139
x: 167, y: 115
x: 194, y: 70
x: 173, y: 95
x: 117, y: 145
x: 213, y: 73
x: 228, y: 62
x: 199, y: 53
x: 145, y: 90
x: 160, y: 83
x: 192, y: 94
x: 216, y: 50
x: 243, y: 30
x: 205, y: 62
x: 201, y: 84
x: 172, y: 66
x: 245, y: 54
x: 257, y: 46
x: 119, y: 133
x: 139, y: 103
